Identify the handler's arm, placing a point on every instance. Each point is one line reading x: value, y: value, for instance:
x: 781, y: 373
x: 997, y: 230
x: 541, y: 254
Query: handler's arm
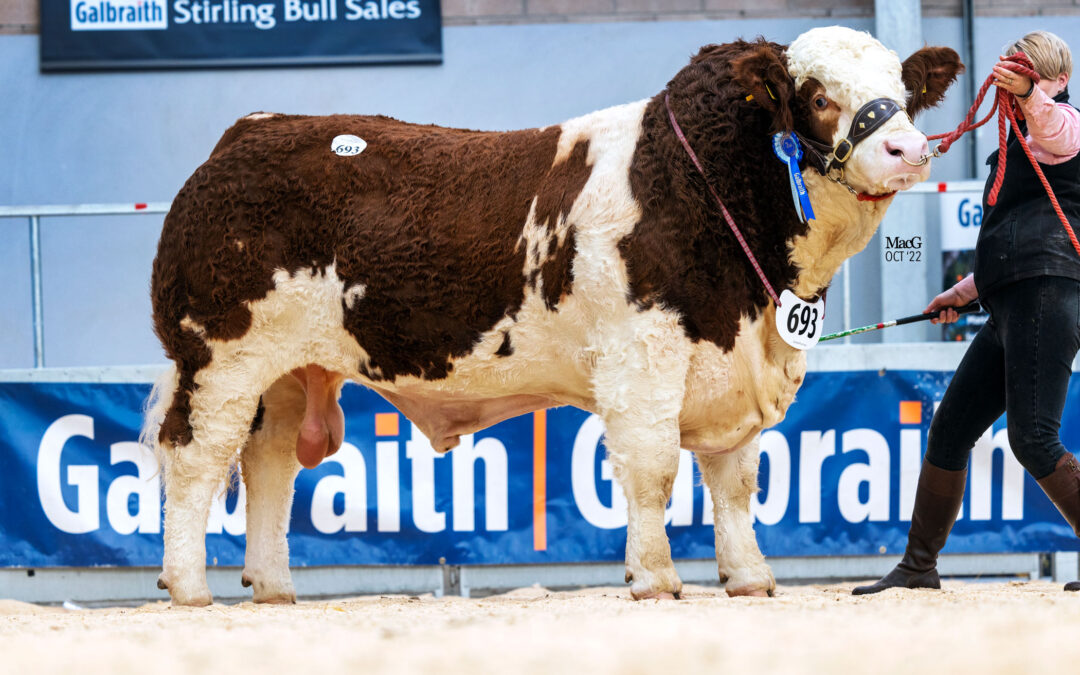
x: 1054, y: 128
x: 963, y: 293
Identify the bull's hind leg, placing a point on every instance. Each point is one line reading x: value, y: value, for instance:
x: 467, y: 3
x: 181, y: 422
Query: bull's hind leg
x: 269, y: 467
x: 223, y: 404
x: 732, y: 480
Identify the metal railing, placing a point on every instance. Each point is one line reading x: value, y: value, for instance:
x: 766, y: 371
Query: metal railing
x: 34, y: 214
x: 946, y: 186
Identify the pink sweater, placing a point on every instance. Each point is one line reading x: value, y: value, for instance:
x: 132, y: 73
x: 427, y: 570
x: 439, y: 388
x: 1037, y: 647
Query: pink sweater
x: 1053, y: 128
x: 1054, y: 137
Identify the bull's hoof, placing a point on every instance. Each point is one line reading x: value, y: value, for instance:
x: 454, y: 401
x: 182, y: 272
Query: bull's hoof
x: 196, y: 601
x: 754, y: 580
x: 282, y: 598
x: 659, y: 582
x: 662, y: 595
x: 640, y: 591
x: 268, y: 588
x: 749, y: 592
x: 198, y: 596
x: 199, y: 599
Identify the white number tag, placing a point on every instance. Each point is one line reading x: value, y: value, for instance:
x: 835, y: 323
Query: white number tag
x: 799, y: 321
x: 347, y: 145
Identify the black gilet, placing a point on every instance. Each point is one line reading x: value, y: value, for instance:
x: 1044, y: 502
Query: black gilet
x: 1021, y: 236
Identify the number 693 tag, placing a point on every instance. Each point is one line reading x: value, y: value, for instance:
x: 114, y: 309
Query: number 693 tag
x: 347, y: 145
x: 800, y: 322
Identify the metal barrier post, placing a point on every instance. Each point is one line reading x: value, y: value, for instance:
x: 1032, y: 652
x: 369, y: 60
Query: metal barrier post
x: 35, y: 290
x: 34, y: 214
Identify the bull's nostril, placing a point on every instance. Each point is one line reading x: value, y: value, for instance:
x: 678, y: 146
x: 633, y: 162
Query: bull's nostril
x: 895, y: 152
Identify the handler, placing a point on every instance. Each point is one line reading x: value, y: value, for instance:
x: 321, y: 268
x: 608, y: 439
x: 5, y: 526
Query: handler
x: 1027, y: 275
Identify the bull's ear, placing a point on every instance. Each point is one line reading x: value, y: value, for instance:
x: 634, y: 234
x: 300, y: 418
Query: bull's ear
x: 761, y: 72
x: 927, y: 74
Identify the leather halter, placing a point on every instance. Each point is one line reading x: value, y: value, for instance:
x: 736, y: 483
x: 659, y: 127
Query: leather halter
x: 867, y: 120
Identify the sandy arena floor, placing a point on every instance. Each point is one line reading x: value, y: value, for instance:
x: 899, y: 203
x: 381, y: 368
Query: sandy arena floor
x: 977, y: 628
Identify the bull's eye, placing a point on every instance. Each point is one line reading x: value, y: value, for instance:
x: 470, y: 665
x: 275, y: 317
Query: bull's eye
x: 821, y: 102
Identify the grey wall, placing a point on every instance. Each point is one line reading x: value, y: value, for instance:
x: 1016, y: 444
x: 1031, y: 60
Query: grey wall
x: 128, y: 137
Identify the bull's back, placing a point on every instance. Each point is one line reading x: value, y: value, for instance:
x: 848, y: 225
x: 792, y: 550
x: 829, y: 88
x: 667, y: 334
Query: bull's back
x: 427, y: 220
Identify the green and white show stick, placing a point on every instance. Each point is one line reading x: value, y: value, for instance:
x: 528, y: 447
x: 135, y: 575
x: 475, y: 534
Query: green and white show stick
x: 914, y: 318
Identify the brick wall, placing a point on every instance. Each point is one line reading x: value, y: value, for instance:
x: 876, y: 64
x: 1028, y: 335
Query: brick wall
x: 20, y: 16
x: 468, y: 12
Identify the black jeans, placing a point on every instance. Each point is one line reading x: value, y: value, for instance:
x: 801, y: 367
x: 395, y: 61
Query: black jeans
x: 1019, y: 363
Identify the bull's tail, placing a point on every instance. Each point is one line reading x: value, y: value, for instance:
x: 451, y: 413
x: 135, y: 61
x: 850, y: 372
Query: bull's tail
x: 157, y: 404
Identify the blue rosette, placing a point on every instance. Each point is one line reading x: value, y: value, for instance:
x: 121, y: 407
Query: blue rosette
x: 789, y: 151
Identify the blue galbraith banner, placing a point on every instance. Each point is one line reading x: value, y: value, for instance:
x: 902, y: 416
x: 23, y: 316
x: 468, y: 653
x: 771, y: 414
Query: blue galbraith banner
x: 838, y: 478
x: 127, y: 34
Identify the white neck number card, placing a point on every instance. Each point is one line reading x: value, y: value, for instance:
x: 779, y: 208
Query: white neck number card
x: 800, y: 322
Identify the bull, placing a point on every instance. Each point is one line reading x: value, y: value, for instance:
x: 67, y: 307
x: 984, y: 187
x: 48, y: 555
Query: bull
x: 471, y: 276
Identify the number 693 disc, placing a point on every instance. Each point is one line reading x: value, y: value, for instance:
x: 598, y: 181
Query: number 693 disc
x: 800, y: 322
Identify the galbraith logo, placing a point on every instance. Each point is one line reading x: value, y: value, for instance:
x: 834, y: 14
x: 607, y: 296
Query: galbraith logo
x: 154, y: 14
x: 119, y: 15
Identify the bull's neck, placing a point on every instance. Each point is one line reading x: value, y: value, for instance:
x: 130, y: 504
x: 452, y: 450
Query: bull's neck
x: 742, y: 168
x: 680, y: 253
x: 842, y: 228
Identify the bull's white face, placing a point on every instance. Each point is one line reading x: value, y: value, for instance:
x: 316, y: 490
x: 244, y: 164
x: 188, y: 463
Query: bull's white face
x: 852, y: 69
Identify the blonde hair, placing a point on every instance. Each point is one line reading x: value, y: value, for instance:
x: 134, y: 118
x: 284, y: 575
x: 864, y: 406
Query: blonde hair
x: 1048, y: 53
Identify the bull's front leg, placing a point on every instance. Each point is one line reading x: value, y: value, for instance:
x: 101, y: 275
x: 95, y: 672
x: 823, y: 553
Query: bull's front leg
x: 732, y: 480
x: 645, y: 459
x: 640, y: 390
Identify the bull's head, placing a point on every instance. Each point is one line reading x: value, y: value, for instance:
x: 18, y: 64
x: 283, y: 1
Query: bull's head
x: 829, y: 77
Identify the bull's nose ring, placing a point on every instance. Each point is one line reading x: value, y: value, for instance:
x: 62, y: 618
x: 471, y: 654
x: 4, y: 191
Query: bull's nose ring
x: 922, y: 160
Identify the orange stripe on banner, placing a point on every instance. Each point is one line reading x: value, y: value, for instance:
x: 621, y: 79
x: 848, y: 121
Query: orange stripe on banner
x: 910, y: 412
x: 540, y: 480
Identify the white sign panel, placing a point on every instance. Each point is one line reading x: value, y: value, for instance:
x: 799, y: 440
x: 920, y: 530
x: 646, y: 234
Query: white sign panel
x: 961, y: 218
x: 119, y: 15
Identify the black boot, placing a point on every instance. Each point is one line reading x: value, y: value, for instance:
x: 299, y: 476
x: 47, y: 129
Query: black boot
x: 1063, y: 488
x: 937, y: 502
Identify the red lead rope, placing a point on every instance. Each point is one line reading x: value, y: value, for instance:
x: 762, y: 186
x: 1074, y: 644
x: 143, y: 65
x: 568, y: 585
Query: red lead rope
x: 1004, y: 105
x: 723, y: 209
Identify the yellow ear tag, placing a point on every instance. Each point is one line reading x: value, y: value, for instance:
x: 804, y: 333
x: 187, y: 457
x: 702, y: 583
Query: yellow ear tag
x: 749, y: 97
x: 924, y: 89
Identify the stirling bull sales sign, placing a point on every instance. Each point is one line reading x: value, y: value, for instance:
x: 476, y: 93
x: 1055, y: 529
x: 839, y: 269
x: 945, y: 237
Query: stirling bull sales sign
x: 129, y: 34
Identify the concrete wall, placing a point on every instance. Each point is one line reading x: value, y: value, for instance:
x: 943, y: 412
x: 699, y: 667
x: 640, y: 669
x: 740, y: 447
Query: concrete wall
x: 127, y: 137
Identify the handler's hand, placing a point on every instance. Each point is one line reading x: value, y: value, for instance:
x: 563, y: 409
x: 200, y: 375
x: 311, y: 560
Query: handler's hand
x: 959, y: 295
x: 945, y: 303
x: 1014, y: 83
